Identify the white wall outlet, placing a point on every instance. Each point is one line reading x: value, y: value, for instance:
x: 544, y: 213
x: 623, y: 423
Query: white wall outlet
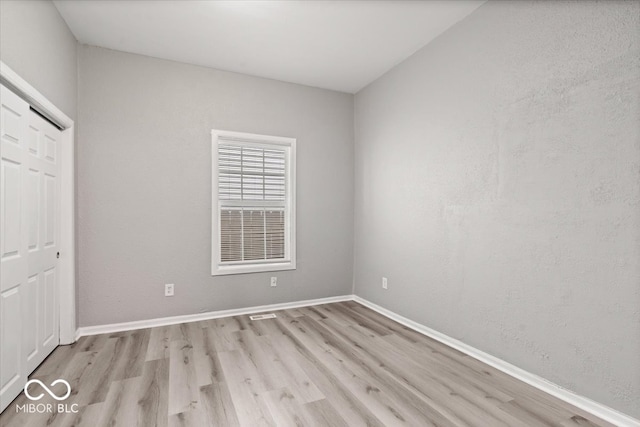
x: 168, y: 290
x: 274, y: 282
x: 384, y: 283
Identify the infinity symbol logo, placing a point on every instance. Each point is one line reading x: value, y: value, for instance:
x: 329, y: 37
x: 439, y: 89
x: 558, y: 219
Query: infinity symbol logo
x: 52, y: 394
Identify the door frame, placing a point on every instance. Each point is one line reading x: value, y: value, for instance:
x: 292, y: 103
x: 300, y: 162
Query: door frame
x: 67, y: 262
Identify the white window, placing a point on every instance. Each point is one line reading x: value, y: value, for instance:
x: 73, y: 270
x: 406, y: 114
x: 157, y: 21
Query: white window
x: 253, y: 203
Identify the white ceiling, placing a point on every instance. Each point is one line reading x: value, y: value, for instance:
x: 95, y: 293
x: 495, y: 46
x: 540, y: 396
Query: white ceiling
x: 339, y: 45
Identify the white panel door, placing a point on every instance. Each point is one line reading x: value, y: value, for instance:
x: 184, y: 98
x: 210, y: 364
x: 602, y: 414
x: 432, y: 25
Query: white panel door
x: 41, y: 335
x: 29, y: 218
x: 14, y: 116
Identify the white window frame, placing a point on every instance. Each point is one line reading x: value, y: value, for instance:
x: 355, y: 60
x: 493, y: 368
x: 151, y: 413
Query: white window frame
x: 263, y: 141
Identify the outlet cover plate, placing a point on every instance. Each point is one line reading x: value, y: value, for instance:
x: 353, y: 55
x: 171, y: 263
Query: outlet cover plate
x: 168, y: 289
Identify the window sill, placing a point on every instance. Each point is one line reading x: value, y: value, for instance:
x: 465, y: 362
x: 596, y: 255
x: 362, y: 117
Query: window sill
x: 223, y: 270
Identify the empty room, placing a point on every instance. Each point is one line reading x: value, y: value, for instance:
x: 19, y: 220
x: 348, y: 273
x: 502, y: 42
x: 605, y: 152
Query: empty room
x: 319, y: 213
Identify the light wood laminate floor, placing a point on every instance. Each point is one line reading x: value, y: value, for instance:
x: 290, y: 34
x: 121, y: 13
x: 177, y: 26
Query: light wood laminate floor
x: 338, y: 364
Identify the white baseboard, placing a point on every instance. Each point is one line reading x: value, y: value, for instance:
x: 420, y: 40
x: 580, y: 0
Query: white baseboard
x: 173, y: 320
x: 599, y: 410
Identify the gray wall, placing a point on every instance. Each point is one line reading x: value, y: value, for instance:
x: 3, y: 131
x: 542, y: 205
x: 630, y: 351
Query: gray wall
x: 37, y: 44
x: 144, y: 186
x: 498, y: 188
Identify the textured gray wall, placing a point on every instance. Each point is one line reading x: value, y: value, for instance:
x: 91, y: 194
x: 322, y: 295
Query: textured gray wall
x: 37, y: 44
x: 498, y: 188
x: 144, y: 176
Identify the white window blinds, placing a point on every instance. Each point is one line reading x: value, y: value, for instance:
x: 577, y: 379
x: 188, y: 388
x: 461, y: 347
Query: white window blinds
x: 251, y: 234
x: 252, y: 194
x: 249, y: 173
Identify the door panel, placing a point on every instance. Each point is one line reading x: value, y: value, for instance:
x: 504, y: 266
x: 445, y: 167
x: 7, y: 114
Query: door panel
x: 49, y: 325
x: 50, y: 216
x: 12, y: 190
x: 13, y: 247
x: 29, y: 222
x: 42, y: 260
x: 33, y: 208
x: 30, y: 327
x: 12, y: 366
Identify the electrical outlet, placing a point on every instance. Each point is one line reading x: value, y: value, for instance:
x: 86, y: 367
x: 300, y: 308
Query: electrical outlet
x: 168, y: 290
x: 384, y: 283
x: 274, y: 282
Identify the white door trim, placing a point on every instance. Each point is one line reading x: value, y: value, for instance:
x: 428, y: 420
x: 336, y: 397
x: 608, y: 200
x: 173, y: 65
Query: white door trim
x: 67, y: 286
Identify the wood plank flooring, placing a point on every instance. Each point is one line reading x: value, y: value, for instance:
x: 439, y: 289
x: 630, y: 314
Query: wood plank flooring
x: 338, y: 364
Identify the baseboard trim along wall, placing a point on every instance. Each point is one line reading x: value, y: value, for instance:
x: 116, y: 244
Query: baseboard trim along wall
x: 173, y: 320
x: 586, y: 404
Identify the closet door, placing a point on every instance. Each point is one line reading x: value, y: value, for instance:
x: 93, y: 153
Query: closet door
x: 43, y: 211
x: 29, y: 230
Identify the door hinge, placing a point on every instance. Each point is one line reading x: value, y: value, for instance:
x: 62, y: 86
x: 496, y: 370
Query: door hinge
x: 58, y: 255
